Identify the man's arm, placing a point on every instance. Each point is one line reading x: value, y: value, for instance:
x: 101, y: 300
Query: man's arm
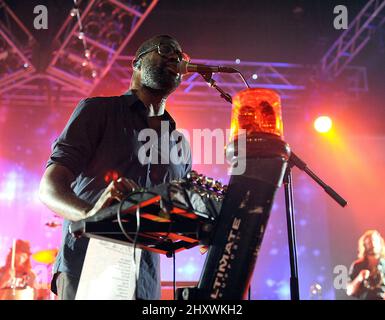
x: 56, y: 193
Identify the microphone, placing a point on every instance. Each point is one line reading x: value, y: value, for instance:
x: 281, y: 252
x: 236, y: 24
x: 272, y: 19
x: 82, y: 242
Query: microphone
x: 187, y: 67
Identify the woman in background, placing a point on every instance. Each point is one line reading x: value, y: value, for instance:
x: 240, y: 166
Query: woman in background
x: 367, y: 273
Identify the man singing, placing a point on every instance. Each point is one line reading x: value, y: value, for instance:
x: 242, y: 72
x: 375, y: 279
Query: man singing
x: 367, y: 274
x: 95, y: 159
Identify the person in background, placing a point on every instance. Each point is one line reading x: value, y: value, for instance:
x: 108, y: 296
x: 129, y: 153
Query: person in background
x: 367, y: 273
x: 16, y: 276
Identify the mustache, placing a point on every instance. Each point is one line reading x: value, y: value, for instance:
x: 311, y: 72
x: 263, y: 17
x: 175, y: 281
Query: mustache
x: 169, y: 61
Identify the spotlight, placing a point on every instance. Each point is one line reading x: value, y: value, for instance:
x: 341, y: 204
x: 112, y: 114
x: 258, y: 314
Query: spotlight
x: 237, y: 61
x: 81, y: 35
x: 323, y: 124
x: 87, y: 53
x: 74, y: 12
x: 316, y: 291
x: 255, y: 76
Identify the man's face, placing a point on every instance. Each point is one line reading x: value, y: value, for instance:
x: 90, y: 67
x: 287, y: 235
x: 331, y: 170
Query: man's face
x: 160, y: 72
x: 373, y: 244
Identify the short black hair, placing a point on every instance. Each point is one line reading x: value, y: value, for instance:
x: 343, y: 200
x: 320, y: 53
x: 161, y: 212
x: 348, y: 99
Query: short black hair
x: 153, y: 41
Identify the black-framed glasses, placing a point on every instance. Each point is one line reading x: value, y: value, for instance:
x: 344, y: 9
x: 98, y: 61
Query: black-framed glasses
x: 167, y: 51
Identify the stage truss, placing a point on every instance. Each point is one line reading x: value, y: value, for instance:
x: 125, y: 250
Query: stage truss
x: 107, y: 27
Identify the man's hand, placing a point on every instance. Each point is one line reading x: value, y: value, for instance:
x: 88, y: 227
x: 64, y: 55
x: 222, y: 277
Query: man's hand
x: 55, y: 191
x: 116, y: 190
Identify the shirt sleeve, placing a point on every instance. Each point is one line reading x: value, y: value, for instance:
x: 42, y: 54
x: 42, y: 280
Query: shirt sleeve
x: 187, y: 156
x: 77, y: 143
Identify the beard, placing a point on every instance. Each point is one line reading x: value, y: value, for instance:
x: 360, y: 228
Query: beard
x: 158, y: 77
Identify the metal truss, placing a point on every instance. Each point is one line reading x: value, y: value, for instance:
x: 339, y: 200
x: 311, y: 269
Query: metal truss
x: 41, y: 90
x: 352, y: 40
x: 289, y: 80
x: 16, y: 44
x: 108, y: 26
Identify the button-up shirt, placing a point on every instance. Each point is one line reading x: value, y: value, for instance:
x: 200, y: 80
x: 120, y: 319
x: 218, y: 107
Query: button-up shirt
x: 99, y: 143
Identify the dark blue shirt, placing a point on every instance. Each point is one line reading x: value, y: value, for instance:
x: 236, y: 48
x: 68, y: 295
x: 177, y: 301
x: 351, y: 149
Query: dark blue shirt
x: 100, y: 142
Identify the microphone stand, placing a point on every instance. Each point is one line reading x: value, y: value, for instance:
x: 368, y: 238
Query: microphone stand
x: 294, y: 160
x: 292, y: 242
x: 212, y: 83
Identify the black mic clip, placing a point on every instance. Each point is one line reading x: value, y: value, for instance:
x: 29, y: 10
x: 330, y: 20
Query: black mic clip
x: 208, y: 77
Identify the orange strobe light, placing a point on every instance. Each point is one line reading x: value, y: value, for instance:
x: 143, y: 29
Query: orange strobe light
x: 257, y: 111
x: 323, y: 124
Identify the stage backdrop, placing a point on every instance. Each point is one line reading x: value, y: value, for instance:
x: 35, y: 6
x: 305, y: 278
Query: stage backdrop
x: 326, y: 234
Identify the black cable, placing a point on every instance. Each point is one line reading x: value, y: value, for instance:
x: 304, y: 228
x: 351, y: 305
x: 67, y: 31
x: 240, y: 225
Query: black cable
x: 173, y: 275
x: 244, y: 80
x: 135, y: 241
x: 118, y: 214
x: 242, y: 77
x: 119, y: 210
x: 137, y: 216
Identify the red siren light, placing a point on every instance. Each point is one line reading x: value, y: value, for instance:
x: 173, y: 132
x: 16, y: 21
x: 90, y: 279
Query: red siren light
x: 256, y: 111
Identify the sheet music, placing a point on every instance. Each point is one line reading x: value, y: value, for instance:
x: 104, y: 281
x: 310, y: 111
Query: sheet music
x: 108, y: 272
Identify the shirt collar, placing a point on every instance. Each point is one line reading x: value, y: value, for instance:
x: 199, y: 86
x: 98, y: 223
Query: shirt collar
x: 133, y: 99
